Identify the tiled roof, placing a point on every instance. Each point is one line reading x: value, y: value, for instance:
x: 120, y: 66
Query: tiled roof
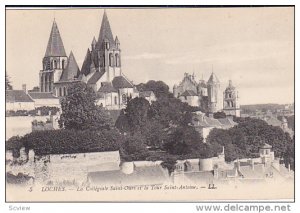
x: 212, y: 121
x: 42, y: 95
x: 71, y: 71
x: 97, y: 75
x: 266, y: 146
x: 189, y: 93
x: 107, y: 87
x: 196, y: 177
x: 55, y: 45
x: 273, y: 121
x: 227, y: 122
x: 17, y: 96
x: 121, y: 82
x: 249, y: 173
x: 147, y: 175
x: 145, y: 94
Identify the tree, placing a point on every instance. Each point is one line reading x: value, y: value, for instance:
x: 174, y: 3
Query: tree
x: 159, y: 88
x: 80, y: 112
x: 134, y: 148
x: 218, y: 115
x: 183, y: 141
x: 137, y: 113
x: 8, y: 85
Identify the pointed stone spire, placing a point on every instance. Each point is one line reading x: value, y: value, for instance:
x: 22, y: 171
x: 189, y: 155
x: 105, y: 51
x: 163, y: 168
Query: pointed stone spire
x: 94, y: 42
x: 213, y: 79
x: 55, y: 45
x: 72, y: 69
x: 105, y: 31
x: 85, y: 69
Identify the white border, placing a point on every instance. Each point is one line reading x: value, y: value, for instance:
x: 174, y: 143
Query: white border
x: 124, y: 207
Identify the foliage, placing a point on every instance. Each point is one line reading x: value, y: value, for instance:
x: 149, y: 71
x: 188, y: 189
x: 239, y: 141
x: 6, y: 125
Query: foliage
x: 80, y: 112
x: 69, y: 141
x: 169, y: 163
x: 20, y: 178
x: 8, y: 85
x: 159, y: 88
x: 137, y: 113
x: 218, y: 115
x: 134, y: 148
x: 245, y: 139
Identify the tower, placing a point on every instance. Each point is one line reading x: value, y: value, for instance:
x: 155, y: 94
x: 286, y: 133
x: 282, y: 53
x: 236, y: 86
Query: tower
x: 213, y: 87
x: 54, y: 61
x: 231, y: 104
x: 108, y: 52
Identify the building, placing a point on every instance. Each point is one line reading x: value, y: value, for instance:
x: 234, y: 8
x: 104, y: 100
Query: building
x: 101, y: 69
x: 18, y: 100
x: 204, y: 124
x: 148, y: 95
x: 231, y: 104
x: 44, y: 99
x: 206, y: 95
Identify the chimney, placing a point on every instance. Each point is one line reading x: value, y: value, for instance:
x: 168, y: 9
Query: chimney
x: 24, y: 88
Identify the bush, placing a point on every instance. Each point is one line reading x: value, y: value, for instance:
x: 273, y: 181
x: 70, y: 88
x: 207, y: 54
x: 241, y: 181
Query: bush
x: 68, y: 141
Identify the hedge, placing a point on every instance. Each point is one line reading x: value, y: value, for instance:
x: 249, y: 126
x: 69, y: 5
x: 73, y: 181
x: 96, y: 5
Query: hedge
x: 69, y: 141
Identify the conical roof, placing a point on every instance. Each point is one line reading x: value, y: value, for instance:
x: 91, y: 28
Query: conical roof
x: 230, y: 87
x: 72, y: 69
x: 85, y: 69
x: 105, y: 32
x: 213, y: 79
x: 55, y: 45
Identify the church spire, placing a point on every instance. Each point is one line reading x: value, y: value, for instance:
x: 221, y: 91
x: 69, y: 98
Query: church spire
x: 55, y: 45
x: 105, y: 31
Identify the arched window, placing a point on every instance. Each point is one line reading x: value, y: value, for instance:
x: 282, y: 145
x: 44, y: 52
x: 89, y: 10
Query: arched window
x: 228, y: 103
x: 111, y: 59
x: 229, y: 95
x: 124, y: 98
x: 116, y: 100
x: 63, y: 64
x: 117, y: 58
x: 60, y: 91
x: 55, y: 64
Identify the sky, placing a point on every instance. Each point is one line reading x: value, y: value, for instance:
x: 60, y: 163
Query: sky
x: 253, y: 47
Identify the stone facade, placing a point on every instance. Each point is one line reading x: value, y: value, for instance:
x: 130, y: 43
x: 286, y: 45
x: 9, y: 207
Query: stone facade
x: 231, y: 104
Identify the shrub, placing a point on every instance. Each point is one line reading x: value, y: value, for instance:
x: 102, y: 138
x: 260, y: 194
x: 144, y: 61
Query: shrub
x: 69, y: 141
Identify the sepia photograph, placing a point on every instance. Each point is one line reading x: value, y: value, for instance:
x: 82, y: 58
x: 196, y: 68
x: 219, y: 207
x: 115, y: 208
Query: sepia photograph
x: 149, y: 104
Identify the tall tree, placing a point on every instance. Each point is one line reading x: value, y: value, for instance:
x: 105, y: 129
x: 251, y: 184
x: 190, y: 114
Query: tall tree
x: 8, y: 85
x: 80, y: 112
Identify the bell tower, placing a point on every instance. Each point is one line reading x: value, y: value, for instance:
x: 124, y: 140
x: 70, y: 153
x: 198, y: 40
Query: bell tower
x: 54, y: 61
x: 213, y: 87
x: 231, y: 104
x: 108, y: 51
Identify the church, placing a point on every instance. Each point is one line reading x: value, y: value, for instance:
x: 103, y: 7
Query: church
x: 208, y: 95
x: 101, y: 69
